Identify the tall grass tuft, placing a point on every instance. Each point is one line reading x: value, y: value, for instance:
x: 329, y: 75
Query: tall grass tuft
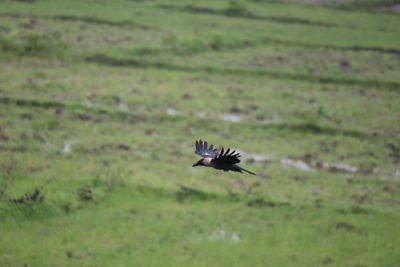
x: 236, y: 8
x: 31, y: 45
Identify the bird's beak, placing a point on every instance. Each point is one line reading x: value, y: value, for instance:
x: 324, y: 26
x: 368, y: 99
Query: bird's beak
x: 197, y: 164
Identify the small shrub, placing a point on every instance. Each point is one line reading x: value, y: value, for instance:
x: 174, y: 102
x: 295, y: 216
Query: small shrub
x: 8, y: 46
x: 85, y: 193
x: 217, y: 43
x: 36, y: 44
x: 6, y: 177
x: 26, y: 1
x: 235, y: 8
x: 31, y: 44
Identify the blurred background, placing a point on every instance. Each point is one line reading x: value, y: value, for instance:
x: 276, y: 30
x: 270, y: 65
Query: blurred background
x: 101, y: 102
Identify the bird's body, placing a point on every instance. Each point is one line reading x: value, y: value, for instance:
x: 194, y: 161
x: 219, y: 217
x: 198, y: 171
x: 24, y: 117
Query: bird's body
x: 223, y: 160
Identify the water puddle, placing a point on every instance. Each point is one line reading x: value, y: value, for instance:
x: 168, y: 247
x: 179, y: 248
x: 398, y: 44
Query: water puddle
x: 394, y: 8
x: 229, y: 117
x: 268, y: 120
x: 235, y: 237
x: 224, y: 235
x: 253, y: 157
x: 201, y: 114
x: 120, y: 105
x: 337, y: 166
x: 173, y: 112
x: 298, y: 164
x: 67, y: 147
x: 88, y: 103
x: 123, y: 106
x: 315, y: 164
x: 387, y: 173
x: 217, y: 235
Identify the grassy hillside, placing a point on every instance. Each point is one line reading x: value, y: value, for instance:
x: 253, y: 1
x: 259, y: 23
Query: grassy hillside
x: 101, y: 102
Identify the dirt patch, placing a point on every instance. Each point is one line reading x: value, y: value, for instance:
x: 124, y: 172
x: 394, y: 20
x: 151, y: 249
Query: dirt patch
x: 26, y: 116
x: 356, y: 210
x: 394, y: 152
x: 4, y: 137
x: 229, y: 117
x: 224, y: 235
x: 259, y: 202
x: 82, y: 116
x: 241, y: 12
x: 394, y: 8
x: 345, y: 226
x: 298, y: 164
x: 309, y: 163
x: 123, y: 147
x: 325, y: 2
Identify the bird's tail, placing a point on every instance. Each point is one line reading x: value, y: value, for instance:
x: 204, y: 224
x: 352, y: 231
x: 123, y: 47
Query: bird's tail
x: 237, y: 168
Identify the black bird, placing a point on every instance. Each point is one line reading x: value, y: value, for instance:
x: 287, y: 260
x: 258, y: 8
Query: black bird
x: 223, y: 160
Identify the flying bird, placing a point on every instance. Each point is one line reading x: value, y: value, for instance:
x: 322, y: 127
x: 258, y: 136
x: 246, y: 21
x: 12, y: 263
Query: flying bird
x: 224, y: 160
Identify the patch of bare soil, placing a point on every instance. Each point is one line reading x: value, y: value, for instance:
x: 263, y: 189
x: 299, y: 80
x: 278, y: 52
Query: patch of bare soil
x: 328, y: 2
x: 394, y: 8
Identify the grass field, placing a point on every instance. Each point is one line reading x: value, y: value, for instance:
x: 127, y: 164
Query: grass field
x: 101, y: 102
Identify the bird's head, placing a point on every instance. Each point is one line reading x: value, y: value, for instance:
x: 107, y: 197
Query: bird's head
x: 199, y: 163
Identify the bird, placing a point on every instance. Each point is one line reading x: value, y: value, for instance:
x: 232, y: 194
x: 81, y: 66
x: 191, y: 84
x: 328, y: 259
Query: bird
x: 224, y: 160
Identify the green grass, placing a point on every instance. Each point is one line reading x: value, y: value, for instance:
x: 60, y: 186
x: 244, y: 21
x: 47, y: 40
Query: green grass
x: 101, y: 102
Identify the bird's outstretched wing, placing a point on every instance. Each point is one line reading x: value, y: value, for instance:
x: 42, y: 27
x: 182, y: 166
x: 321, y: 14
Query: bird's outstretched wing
x: 204, y: 150
x: 227, y: 157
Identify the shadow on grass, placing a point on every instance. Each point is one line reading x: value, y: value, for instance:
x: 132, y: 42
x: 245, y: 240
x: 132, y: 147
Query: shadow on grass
x: 131, y: 118
x: 356, y: 210
x: 119, y: 62
x: 31, y: 102
x: 370, y: 6
x: 378, y: 6
x: 316, y: 129
x: 188, y: 193
x: 79, y: 111
x: 33, y: 44
x: 243, y: 13
x: 334, y: 47
x: 127, y: 117
x: 89, y: 20
x: 260, y: 202
x: 307, y: 128
x: 219, y: 43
